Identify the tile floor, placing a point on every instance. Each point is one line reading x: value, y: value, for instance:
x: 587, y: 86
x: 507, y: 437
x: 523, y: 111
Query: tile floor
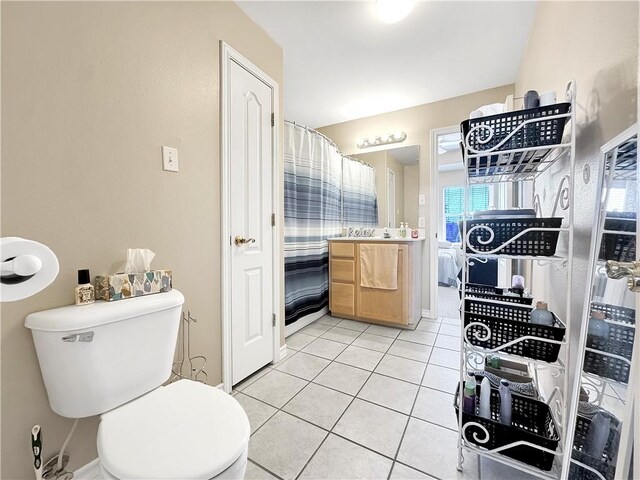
x: 359, y: 401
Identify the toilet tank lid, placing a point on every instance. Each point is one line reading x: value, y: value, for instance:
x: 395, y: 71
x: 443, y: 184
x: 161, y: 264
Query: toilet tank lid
x: 78, y: 317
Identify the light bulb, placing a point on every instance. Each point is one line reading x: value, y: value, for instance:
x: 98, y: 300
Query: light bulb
x: 392, y: 11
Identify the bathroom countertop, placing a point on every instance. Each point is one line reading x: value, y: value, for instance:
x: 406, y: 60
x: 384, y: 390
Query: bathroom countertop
x: 374, y: 239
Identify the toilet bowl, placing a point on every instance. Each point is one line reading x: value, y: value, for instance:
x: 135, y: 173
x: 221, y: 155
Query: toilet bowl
x: 185, y: 430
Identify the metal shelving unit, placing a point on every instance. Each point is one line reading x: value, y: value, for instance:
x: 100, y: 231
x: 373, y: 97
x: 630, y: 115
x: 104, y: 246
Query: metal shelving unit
x: 492, y: 166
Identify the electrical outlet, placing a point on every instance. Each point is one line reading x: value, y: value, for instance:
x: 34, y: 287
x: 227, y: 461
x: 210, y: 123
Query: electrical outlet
x: 421, y: 222
x: 422, y: 199
x: 169, y: 159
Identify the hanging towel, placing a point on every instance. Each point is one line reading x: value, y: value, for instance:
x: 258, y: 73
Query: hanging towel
x: 379, y: 266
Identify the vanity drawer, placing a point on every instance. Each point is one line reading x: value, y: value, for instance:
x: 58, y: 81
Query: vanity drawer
x: 343, y: 270
x: 343, y: 249
x: 342, y: 297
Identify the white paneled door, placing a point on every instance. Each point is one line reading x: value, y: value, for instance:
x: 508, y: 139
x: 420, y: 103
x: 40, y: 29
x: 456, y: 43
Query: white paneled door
x: 250, y: 209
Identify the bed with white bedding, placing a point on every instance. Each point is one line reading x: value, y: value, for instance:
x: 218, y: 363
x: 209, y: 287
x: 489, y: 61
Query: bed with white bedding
x: 449, y: 258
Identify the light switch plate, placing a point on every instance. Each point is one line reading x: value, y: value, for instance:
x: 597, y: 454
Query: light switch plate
x: 421, y: 223
x: 170, y: 159
x: 422, y: 199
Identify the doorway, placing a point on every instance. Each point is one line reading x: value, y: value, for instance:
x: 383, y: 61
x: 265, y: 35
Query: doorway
x: 250, y: 239
x: 391, y: 198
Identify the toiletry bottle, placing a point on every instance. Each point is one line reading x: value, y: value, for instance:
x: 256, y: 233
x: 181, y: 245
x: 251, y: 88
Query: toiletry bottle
x: 598, y: 435
x: 597, y: 325
x: 85, y: 292
x: 505, y: 402
x: 414, y: 233
x: 469, y: 404
x: 540, y: 315
x: 485, y: 398
x: 403, y: 230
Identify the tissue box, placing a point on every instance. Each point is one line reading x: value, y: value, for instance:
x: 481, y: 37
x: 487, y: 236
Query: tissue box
x: 129, y: 285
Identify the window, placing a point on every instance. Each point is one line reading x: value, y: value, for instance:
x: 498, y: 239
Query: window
x: 480, y: 198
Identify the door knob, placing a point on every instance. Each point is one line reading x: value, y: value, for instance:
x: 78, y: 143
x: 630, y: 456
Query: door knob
x: 241, y: 240
x: 631, y: 270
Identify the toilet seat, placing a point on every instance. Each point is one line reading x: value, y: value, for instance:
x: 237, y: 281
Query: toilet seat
x: 186, y: 430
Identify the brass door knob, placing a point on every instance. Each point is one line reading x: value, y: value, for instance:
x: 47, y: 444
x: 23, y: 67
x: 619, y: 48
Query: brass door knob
x: 241, y: 240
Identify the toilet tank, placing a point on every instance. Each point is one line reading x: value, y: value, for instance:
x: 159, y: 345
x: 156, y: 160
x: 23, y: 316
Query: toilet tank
x: 96, y: 357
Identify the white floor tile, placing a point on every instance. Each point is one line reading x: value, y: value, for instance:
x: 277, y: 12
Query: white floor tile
x: 315, y: 329
x: 324, y: 348
x: 383, y: 331
x: 344, y: 378
x: 373, y: 342
x: 402, y: 368
x: 353, y: 325
x: 389, y: 392
x: 304, y: 366
x: 298, y: 341
x: 453, y: 330
x: 445, y: 358
x: 492, y: 470
x: 428, y: 326
x: 402, y: 472
x: 418, y: 336
x: 433, y: 449
x: 275, y: 388
x: 410, y: 350
x: 342, y: 335
x: 441, y: 378
x: 329, y: 320
x: 318, y: 405
x: 254, y: 472
x: 377, y: 428
x: 435, y: 407
x: 285, y: 444
x: 451, y: 321
x: 340, y: 459
x: 448, y: 342
x: 360, y: 357
x: 257, y: 411
x: 252, y: 378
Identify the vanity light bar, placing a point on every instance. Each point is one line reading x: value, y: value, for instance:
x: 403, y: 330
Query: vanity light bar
x: 383, y: 140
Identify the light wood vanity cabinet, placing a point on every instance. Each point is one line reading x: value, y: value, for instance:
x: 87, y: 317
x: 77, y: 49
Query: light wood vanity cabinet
x: 350, y: 300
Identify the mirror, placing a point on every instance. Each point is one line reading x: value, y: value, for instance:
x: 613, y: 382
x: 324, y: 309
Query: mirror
x: 600, y: 437
x: 397, y: 184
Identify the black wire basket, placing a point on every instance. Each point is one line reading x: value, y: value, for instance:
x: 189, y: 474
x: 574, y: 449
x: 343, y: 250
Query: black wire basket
x: 542, y: 132
x: 618, y: 342
x: 508, y: 323
x: 490, y: 292
x: 606, y: 465
x: 531, y: 421
x: 619, y: 246
x: 534, y: 242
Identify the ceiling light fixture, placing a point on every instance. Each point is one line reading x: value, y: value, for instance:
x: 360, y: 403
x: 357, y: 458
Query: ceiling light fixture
x: 392, y: 11
x: 383, y: 140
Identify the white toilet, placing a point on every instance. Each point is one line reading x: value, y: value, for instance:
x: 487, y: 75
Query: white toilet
x: 110, y: 359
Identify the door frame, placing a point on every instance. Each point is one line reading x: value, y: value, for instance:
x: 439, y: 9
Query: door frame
x: 434, y: 215
x: 227, y: 55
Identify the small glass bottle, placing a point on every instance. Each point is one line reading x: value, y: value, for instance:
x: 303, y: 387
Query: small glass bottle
x: 541, y: 315
x: 598, y: 325
x: 469, y: 394
x: 85, y: 292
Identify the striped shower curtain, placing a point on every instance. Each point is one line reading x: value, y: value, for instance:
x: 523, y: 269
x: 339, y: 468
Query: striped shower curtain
x: 359, y: 200
x: 312, y: 211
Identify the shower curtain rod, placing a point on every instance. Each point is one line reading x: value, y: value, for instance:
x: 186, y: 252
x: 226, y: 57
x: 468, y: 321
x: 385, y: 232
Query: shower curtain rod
x: 331, y: 142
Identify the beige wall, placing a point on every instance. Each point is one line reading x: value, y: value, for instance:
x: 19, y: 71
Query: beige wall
x: 90, y: 93
x: 595, y: 43
x: 411, y: 189
x: 417, y: 122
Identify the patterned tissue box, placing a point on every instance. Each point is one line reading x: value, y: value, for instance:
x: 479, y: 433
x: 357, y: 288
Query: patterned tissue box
x: 129, y: 285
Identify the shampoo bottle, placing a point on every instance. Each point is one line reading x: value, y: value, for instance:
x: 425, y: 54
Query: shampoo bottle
x: 469, y: 405
x: 541, y: 315
x: 505, y: 402
x: 85, y: 292
x: 598, y: 325
x: 485, y: 398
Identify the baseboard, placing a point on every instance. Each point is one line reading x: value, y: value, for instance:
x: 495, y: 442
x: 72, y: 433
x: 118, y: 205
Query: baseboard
x: 220, y: 386
x: 283, y: 351
x: 426, y: 314
x: 303, y: 322
x: 90, y: 471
